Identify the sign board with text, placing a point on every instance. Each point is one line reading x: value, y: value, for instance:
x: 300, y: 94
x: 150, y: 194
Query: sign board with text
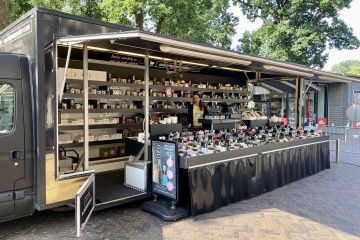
x: 84, y: 204
x: 165, y: 168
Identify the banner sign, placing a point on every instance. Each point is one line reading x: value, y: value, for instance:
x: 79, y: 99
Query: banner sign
x: 309, y: 108
x: 85, y: 204
x: 165, y: 168
x: 118, y: 58
x: 321, y: 122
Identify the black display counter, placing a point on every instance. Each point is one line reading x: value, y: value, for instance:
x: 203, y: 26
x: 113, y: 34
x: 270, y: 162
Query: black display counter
x: 216, y: 124
x: 255, y: 123
x: 272, y: 124
x: 209, y: 182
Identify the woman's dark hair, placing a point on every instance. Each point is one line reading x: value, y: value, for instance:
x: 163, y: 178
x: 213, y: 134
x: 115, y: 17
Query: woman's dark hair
x: 201, y: 104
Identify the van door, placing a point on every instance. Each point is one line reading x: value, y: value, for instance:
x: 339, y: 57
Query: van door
x: 12, y: 167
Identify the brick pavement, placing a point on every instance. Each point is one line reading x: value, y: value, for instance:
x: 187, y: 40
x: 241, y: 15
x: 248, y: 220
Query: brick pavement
x: 324, y: 206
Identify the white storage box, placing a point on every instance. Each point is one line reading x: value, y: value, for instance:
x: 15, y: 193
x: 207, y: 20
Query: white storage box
x: 99, y: 121
x: 103, y: 137
x: 114, y: 121
x: 112, y: 136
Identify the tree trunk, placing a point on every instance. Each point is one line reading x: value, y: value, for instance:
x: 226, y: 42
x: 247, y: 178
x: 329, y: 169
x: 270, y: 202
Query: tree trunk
x: 4, y: 13
x: 159, y: 24
x: 139, y: 18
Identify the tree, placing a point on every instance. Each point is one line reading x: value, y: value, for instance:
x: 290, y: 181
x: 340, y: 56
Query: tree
x: 296, y: 31
x: 85, y: 8
x: 350, y: 67
x: 205, y: 21
x: 4, y: 13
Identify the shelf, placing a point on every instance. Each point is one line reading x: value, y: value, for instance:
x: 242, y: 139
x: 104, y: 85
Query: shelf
x: 185, y: 110
x: 103, y: 83
x: 119, y: 110
x: 219, y: 110
x: 142, y: 98
x: 100, y: 126
x: 172, y: 99
x: 191, y: 89
x: 154, y: 87
x: 214, y: 121
x: 67, y: 145
x: 102, y: 96
x: 225, y: 100
x: 178, y: 99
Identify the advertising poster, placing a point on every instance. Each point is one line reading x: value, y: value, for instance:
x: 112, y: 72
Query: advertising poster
x: 309, y: 108
x: 321, y: 122
x: 164, y: 168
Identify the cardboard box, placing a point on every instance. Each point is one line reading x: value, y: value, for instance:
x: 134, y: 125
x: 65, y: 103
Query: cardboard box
x: 104, y: 152
x: 64, y: 136
x: 112, y: 151
x: 91, y: 75
x: 77, y: 74
x: 61, y: 72
x: 100, y: 76
x: 121, y: 151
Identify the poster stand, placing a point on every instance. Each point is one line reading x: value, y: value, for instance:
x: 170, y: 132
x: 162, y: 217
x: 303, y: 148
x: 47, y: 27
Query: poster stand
x: 165, y: 209
x: 165, y: 168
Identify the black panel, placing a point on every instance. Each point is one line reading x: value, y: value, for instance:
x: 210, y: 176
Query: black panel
x: 222, y: 183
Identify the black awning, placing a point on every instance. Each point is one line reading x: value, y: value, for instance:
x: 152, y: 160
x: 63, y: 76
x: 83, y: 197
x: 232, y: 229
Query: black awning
x: 288, y: 86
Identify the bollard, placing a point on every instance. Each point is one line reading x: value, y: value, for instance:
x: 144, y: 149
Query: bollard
x: 338, y: 151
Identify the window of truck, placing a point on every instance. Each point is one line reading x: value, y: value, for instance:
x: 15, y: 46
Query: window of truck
x: 7, y: 106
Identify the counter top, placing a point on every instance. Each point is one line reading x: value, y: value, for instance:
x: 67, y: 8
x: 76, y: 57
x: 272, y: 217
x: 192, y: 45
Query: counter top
x: 193, y: 162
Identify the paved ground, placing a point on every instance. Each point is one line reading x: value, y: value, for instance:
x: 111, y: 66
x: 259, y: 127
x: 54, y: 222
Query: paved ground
x: 324, y: 206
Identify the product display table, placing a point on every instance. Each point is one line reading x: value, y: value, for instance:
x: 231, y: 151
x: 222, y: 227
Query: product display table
x: 216, y: 180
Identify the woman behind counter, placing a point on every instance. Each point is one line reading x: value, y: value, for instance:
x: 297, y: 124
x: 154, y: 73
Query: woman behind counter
x: 196, y: 110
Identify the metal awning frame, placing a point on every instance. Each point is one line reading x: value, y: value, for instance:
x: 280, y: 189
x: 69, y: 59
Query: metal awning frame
x: 209, y: 52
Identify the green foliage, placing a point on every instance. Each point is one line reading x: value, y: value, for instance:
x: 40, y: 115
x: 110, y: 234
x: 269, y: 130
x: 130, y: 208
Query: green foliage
x: 205, y: 21
x: 85, y: 8
x: 350, y: 67
x: 297, y: 30
x: 18, y: 8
